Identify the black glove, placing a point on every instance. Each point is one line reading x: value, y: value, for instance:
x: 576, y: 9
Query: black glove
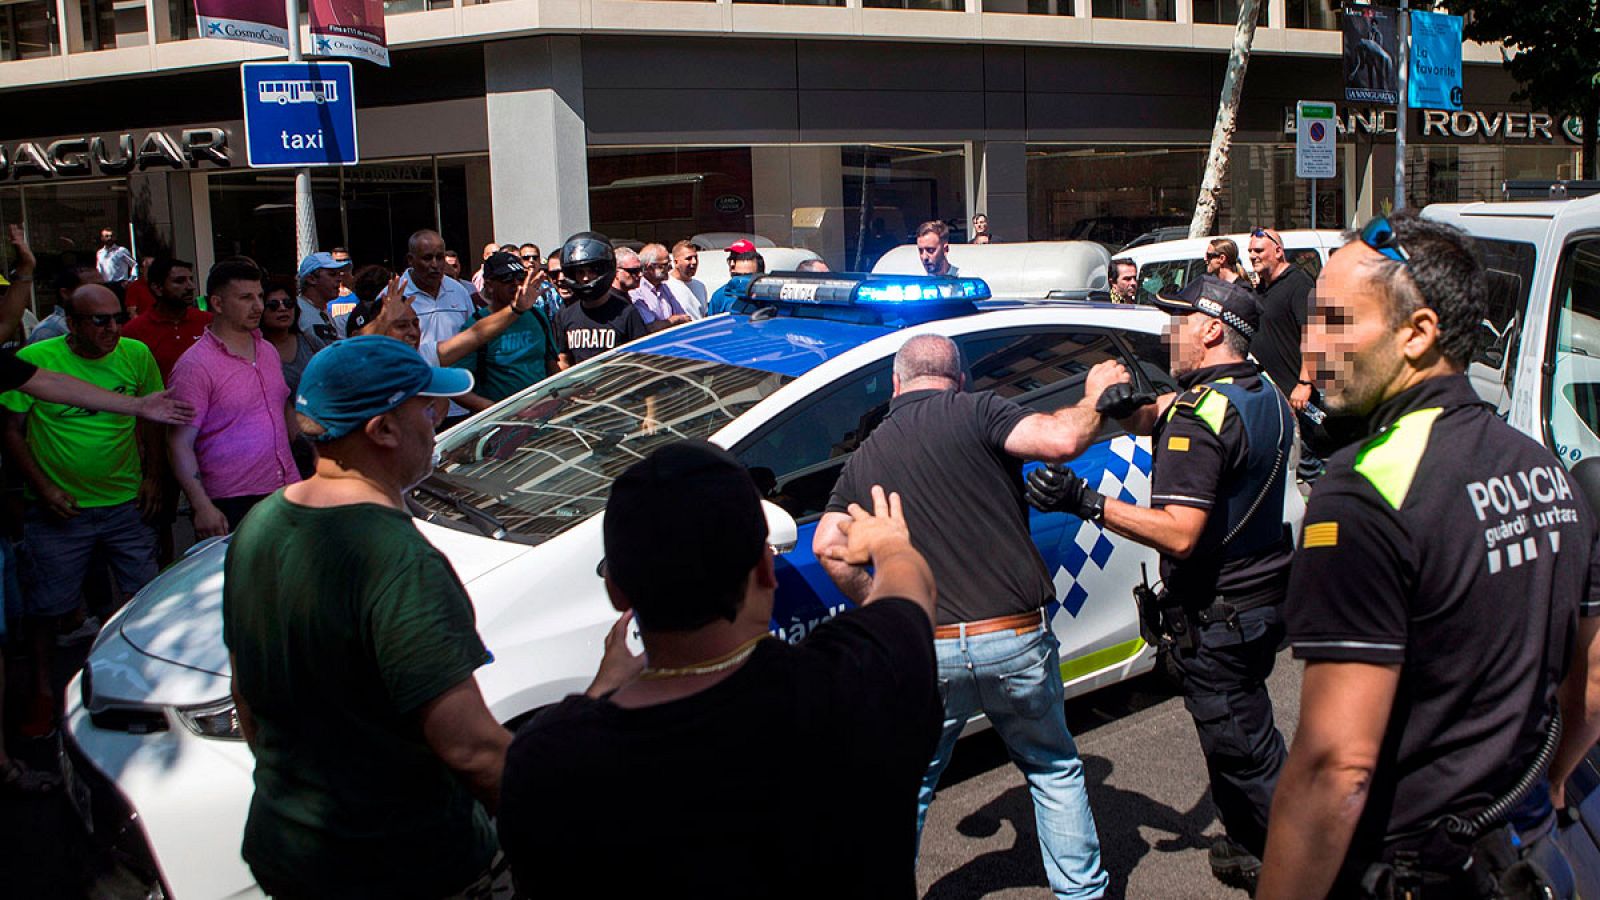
x: 1054, y: 488
x: 1121, y: 400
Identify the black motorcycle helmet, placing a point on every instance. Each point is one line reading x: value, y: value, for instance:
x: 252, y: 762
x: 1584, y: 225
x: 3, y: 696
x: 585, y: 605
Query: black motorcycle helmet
x: 588, y: 265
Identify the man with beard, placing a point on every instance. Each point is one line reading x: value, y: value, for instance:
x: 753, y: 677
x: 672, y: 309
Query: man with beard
x: 1217, y: 492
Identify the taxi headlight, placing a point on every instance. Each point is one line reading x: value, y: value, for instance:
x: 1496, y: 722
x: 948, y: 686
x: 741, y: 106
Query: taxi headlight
x: 215, y: 720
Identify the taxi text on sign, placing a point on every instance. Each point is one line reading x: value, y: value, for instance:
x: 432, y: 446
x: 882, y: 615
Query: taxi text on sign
x: 1435, y: 61
x: 1314, y: 140
x: 299, y: 114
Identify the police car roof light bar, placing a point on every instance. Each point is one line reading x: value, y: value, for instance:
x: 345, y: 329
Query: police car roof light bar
x: 892, y: 300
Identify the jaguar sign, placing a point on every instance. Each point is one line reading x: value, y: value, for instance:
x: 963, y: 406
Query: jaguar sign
x: 114, y: 154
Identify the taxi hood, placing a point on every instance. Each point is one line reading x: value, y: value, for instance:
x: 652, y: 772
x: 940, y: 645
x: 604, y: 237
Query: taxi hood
x: 177, y: 618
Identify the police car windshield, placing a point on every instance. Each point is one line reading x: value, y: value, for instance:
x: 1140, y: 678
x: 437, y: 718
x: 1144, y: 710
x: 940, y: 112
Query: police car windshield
x: 545, y: 462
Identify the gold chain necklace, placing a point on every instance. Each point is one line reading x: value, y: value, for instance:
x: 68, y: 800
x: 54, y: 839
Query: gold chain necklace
x: 718, y: 664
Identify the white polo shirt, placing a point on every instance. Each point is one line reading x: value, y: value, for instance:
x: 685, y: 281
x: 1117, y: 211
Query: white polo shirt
x: 442, y: 316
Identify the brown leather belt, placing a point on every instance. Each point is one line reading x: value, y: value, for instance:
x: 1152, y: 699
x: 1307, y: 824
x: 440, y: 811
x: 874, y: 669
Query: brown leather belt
x: 1021, y: 623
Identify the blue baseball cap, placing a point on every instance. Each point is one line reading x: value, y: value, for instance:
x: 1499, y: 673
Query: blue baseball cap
x: 358, y: 379
x: 318, y: 261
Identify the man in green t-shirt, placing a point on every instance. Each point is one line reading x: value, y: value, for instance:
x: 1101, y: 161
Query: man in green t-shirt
x: 525, y: 353
x: 353, y: 646
x: 90, y: 476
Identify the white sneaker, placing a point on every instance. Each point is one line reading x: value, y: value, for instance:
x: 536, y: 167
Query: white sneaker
x: 84, y: 632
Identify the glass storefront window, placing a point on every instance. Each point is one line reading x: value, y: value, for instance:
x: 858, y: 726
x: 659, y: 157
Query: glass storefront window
x: 1156, y: 10
x: 1112, y: 195
x: 1224, y: 12
x: 943, y: 5
x: 1031, y: 7
x: 1312, y: 14
x: 394, y: 7
x: 850, y: 204
x: 108, y: 24
x: 1460, y: 174
x: 181, y: 22
x: 63, y: 223
x: 28, y: 30
x: 371, y: 209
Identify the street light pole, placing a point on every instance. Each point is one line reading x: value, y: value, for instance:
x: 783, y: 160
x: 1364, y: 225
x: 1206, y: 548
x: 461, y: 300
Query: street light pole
x: 305, y: 214
x: 1402, y: 105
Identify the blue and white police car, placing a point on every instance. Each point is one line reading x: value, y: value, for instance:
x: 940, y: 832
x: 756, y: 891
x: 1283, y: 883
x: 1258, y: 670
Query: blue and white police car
x: 791, y: 382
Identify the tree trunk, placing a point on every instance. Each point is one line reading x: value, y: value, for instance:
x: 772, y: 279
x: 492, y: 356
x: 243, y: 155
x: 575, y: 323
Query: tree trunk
x: 1205, y: 208
x: 1591, y: 113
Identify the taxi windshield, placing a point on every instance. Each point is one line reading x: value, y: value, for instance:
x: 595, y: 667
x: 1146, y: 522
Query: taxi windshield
x: 540, y: 465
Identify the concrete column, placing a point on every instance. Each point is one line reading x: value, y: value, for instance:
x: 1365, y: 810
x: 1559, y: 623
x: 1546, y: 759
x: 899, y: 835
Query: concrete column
x: 204, y: 246
x: 538, y: 145
x: 998, y: 173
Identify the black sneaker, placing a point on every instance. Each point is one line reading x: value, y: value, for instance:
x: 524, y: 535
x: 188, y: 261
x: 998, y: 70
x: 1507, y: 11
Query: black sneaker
x: 1234, y: 866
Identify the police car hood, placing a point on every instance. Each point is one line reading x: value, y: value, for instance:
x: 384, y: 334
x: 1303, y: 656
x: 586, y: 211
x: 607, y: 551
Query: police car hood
x: 177, y: 618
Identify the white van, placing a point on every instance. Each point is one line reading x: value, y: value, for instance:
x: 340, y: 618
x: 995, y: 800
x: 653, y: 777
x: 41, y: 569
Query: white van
x: 1542, y: 350
x: 1030, y: 269
x: 1172, y: 264
x: 713, y: 271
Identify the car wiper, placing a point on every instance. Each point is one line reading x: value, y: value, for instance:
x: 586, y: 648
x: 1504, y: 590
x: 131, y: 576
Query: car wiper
x: 485, y: 522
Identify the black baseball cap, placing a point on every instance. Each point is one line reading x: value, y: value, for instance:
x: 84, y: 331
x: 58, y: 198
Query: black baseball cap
x: 684, y: 488
x: 503, y: 266
x: 1208, y: 294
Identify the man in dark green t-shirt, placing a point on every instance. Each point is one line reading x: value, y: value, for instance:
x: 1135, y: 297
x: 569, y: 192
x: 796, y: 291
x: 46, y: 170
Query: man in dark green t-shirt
x: 525, y: 353
x: 353, y: 646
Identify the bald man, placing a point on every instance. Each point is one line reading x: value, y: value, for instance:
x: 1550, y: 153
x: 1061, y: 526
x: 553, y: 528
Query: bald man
x: 90, y: 486
x: 956, y: 460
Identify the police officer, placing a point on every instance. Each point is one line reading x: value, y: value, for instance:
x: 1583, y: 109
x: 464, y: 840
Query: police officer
x: 1221, y: 456
x: 1443, y: 598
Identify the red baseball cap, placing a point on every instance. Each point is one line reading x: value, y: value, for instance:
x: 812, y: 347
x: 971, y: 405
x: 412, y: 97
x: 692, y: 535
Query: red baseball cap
x: 741, y: 246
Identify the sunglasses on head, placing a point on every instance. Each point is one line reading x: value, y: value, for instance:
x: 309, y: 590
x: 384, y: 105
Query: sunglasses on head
x: 1263, y: 233
x: 104, y: 320
x: 1379, y: 235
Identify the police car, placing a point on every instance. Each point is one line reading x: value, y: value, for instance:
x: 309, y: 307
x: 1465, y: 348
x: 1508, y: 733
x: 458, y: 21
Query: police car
x: 792, y: 382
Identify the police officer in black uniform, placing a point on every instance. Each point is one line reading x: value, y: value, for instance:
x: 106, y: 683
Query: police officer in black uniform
x: 1222, y: 452
x: 1443, y: 599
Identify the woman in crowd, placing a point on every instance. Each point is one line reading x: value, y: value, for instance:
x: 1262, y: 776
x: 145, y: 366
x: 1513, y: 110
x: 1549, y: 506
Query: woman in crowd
x: 280, y: 325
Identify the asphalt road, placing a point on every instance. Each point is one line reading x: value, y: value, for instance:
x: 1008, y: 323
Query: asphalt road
x: 1147, y: 786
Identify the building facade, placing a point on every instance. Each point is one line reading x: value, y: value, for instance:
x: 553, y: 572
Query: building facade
x: 835, y: 126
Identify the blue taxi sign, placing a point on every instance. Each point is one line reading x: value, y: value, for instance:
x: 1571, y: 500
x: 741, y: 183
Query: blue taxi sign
x: 299, y: 114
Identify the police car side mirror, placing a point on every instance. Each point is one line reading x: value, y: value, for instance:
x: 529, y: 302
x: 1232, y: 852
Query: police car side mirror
x: 782, y: 532
x: 1587, y: 474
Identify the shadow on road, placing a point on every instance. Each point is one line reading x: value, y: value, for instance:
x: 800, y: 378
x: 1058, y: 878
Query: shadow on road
x: 1120, y: 814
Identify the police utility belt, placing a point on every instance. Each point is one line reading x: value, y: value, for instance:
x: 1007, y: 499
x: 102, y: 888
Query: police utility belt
x: 1166, y: 621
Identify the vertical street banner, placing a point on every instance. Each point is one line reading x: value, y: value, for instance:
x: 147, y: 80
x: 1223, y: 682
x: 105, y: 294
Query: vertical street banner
x: 1371, y: 54
x: 256, y: 21
x: 352, y: 28
x: 1315, y: 140
x: 1435, y: 81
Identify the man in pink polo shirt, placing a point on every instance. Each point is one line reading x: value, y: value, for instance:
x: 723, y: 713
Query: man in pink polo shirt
x: 236, y: 452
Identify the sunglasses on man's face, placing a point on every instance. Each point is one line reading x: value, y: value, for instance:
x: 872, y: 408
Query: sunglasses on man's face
x: 1263, y: 233
x: 529, y: 257
x: 104, y: 320
x: 632, y: 270
x: 1379, y: 235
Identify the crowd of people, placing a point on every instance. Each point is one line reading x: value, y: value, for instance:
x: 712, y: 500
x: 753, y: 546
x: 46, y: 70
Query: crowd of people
x: 296, y: 414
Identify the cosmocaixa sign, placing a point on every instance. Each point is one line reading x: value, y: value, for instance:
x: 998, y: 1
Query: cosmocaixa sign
x: 115, y: 154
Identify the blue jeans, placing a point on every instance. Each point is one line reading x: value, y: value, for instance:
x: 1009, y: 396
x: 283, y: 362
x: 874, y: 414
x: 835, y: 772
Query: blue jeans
x: 1015, y: 679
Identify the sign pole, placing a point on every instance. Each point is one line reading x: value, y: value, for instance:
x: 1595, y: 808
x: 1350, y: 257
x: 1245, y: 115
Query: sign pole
x: 1402, y: 105
x: 305, y: 213
x: 1313, y: 204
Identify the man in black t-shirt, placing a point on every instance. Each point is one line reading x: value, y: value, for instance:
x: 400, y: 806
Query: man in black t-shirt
x: 956, y: 458
x: 724, y: 763
x: 585, y: 330
x: 1216, y: 498
x: 1285, y: 292
x: 1444, y: 598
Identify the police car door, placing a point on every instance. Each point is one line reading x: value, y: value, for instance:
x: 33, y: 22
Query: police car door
x: 1094, y: 571
x: 795, y: 461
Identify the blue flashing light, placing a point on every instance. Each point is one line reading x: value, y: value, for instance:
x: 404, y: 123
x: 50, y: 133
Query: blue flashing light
x: 892, y: 300
x: 913, y: 289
